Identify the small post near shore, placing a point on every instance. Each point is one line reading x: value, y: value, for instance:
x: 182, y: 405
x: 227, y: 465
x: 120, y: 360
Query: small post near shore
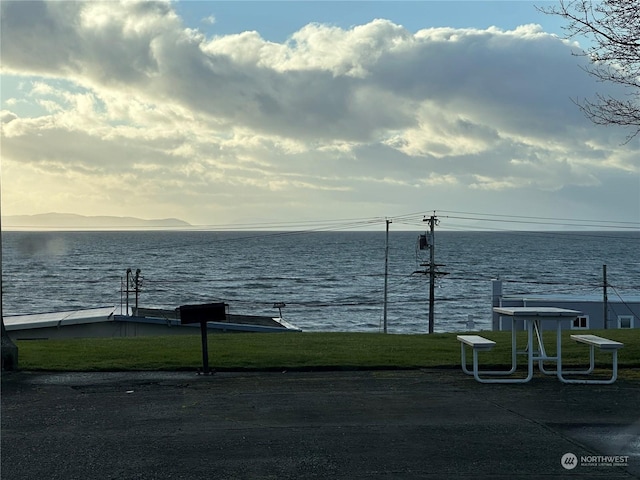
x: 208, y: 312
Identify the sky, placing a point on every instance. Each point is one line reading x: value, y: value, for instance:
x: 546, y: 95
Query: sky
x: 266, y: 113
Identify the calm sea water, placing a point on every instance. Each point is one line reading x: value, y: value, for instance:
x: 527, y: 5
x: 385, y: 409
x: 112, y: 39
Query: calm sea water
x: 329, y: 281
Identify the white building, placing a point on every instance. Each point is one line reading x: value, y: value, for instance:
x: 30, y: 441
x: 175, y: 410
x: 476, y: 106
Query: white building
x: 619, y: 312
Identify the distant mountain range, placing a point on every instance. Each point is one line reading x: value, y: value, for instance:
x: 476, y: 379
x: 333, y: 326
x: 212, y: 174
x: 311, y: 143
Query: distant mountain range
x: 67, y: 221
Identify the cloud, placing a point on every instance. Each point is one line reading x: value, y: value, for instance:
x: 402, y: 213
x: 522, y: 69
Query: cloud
x: 6, y: 116
x: 135, y: 100
x: 210, y: 20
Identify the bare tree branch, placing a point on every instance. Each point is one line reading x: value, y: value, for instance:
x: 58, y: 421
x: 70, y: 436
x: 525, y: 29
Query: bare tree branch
x: 613, y: 26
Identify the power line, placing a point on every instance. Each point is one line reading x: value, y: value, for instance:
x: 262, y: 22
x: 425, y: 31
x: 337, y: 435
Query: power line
x: 535, y: 222
x: 555, y: 219
x: 627, y: 236
x: 622, y: 300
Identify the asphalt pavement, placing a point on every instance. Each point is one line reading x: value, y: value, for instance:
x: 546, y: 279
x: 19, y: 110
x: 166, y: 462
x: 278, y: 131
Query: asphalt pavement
x: 385, y: 424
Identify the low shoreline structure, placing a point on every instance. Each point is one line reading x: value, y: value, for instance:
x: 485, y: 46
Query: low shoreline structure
x: 107, y: 322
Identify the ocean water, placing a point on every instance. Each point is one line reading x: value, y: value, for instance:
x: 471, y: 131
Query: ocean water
x: 329, y: 281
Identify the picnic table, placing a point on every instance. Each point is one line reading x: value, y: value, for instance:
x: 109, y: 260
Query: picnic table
x: 536, y: 351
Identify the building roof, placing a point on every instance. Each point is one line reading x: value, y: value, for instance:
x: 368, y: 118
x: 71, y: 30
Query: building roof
x: 251, y: 323
x: 591, y: 298
x: 58, y: 319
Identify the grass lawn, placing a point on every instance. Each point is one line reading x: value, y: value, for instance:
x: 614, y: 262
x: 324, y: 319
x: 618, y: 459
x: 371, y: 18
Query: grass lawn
x: 299, y: 351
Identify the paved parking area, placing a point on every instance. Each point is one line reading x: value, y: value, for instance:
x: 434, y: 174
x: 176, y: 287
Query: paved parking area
x: 300, y: 425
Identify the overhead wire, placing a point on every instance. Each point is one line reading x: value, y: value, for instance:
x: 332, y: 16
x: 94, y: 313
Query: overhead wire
x: 530, y: 219
x: 622, y: 301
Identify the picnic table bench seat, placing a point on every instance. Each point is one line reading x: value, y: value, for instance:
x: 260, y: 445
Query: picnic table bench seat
x: 602, y: 343
x: 478, y: 343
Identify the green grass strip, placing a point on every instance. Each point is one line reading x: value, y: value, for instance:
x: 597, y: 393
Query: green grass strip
x: 299, y: 351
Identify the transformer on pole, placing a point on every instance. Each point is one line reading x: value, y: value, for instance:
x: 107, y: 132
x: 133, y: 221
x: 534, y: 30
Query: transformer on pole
x: 430, y: 243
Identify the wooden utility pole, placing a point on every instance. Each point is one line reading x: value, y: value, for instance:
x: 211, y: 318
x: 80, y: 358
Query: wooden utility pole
x: 431, y: 244
x: 605, y: 300
x: 432, y: 271
x: 386, y: 273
